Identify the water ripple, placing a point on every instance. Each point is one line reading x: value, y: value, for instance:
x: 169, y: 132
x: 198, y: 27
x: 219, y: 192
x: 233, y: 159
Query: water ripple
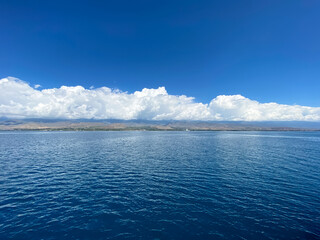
x: 159, y: 185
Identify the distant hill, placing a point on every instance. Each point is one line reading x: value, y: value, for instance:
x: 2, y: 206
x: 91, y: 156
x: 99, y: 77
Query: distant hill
x: 144, y: 125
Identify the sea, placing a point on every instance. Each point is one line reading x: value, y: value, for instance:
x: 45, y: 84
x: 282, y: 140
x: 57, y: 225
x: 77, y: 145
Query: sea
x: 159, y: 185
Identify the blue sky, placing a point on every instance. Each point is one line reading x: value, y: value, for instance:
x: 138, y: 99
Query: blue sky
x: 268, y: 51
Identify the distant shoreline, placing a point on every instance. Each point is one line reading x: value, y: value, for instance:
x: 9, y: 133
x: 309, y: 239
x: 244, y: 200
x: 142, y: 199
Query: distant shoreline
x: 160, y: 130
x: 147, y: 125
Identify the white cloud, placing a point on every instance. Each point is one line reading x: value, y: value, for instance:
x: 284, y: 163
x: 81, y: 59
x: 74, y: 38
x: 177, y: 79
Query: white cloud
x: 19, y: 100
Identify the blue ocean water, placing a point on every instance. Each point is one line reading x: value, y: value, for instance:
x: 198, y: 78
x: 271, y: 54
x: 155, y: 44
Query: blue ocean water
x: 159, y: 185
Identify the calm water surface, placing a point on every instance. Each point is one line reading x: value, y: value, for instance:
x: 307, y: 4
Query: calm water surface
x: 159, y: 185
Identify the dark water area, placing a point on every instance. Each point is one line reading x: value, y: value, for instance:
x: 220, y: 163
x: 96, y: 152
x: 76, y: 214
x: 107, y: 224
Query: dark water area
x: 159, y: 185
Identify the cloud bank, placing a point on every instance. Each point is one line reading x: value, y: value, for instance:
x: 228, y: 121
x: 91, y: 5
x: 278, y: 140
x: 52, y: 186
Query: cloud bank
x: 19, y: 100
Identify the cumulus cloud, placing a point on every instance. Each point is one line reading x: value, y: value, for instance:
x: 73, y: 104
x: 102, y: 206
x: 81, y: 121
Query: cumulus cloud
x: 19, y: 100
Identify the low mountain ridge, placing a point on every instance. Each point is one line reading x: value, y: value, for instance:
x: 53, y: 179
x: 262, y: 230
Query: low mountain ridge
x: 143, y: 125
